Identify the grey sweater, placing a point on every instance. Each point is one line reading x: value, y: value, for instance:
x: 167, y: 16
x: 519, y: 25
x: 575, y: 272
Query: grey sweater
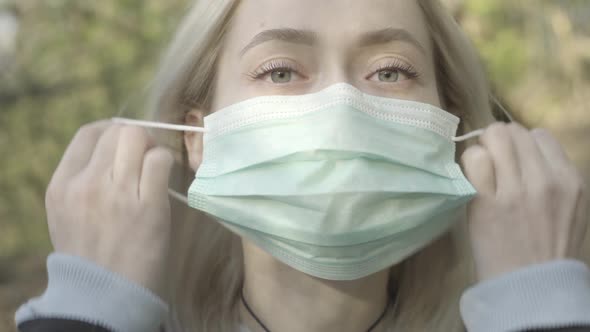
x: 547, y: 296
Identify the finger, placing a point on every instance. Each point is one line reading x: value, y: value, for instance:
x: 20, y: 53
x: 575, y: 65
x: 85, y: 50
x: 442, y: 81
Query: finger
x: 533, y: 166
x: 550, y: 148
x: 133, y: 143
x: 79, y: 151
x: 498, y: 142
x: 104, y: 154
x: 155, y: 173
x: 479, y: 169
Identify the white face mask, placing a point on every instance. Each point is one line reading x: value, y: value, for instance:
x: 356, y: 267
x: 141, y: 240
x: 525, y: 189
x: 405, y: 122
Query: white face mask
x: 337, y: 184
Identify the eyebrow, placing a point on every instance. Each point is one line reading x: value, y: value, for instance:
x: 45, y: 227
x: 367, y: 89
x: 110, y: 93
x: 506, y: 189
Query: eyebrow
x: 389, y: 35
x: 295, y: 36
x: 307, y: 37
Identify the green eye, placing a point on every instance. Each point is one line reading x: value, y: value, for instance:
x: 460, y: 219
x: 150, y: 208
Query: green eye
x: 280, y: 76
x: 389, y: 76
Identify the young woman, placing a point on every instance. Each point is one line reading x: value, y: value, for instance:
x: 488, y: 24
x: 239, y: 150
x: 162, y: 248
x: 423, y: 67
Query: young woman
x: 329, y: 182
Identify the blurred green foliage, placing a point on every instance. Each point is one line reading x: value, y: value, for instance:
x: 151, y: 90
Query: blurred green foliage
x: 74, y: 62
x: 502, y: 41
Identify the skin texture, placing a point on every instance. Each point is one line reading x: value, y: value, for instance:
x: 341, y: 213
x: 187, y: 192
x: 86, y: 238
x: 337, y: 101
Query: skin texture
x: 107, y: 200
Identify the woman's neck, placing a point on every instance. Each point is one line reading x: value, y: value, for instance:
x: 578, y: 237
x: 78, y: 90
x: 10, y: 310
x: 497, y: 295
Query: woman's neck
x: 286, y: 300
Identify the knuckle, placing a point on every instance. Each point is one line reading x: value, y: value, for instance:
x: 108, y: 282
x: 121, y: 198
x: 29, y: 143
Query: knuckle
x: 513, y: 126
x: 86, y: 130
x: 139, y: 136
x: 134, y: 133
x: 497, y: 128
x: 475, y: 155
x: 113, y: 129
x: 517, y: 129
x: 495, y: 131
x: 92, y: 129
x: 159, y: 156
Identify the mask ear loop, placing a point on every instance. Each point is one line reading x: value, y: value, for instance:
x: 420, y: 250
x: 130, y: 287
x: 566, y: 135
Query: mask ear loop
x: 178, y: 196
x: 479, y: 132
x: 161, y: 125
x: 151, y: 124
x: 475, y: 133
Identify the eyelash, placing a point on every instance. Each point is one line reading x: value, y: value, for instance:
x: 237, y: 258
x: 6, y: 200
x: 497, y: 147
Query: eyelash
x: 269, y: 67
x: 394, y: 65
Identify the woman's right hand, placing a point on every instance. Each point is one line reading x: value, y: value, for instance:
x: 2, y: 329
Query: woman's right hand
x: 108, y: 202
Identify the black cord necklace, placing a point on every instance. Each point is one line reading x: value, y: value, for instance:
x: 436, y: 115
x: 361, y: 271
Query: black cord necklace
x: 375, y: 323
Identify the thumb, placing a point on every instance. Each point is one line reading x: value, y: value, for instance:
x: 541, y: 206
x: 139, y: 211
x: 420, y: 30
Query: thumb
x: 479, y: 169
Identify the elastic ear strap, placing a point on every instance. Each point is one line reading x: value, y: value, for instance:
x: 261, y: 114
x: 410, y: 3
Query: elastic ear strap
x: 161, y: 125
x: 467, y: 136
x: 178, y: 196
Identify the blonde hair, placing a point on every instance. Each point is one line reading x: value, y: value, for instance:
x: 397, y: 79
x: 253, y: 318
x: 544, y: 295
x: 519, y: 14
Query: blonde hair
x: 206, y: 265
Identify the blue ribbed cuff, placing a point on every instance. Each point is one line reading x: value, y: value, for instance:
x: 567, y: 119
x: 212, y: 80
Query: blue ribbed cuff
x: 549, y: 295
x: 81, y: 290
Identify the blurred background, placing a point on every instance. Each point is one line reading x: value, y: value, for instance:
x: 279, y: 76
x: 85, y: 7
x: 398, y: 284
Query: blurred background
x: 64, y: 63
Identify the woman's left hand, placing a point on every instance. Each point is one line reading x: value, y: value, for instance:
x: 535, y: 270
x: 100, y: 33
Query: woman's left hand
x: 531, y: 205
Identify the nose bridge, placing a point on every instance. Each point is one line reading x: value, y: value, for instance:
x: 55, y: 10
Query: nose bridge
x: 334, y: 68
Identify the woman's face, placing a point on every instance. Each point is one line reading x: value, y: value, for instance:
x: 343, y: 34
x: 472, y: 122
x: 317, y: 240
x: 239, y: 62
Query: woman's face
x: 292, y: 47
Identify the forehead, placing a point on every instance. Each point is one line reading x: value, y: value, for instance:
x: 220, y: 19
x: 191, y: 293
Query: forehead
x: 334, y: 21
